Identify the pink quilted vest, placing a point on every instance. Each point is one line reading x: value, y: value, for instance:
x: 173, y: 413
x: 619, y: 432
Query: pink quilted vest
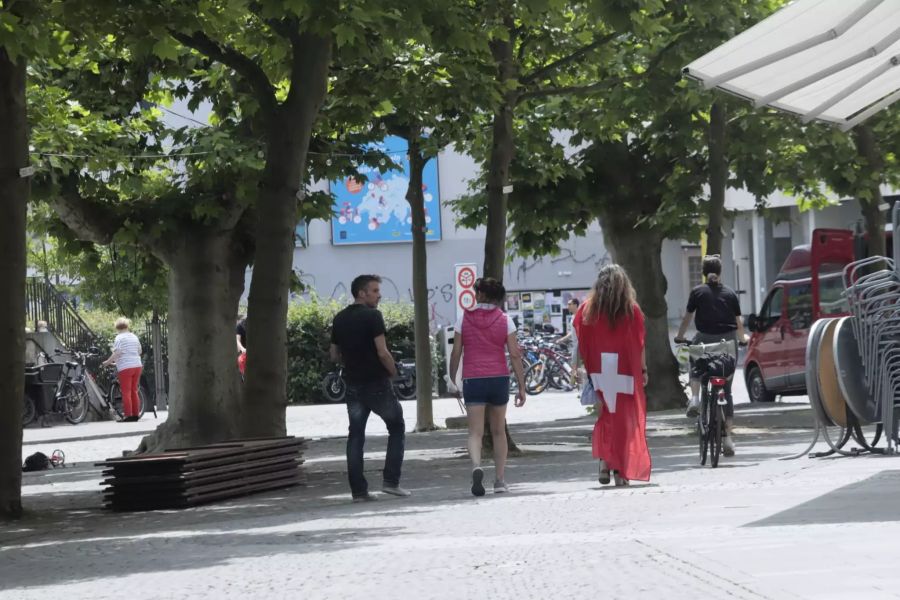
x: 484, y: 343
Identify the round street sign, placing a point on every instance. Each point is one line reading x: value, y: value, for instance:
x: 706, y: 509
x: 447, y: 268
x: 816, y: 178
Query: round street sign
x: 466, y: 277
x: 467, y: 300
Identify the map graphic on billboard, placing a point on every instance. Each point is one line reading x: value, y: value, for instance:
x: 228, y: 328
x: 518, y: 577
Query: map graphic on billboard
x: 376, y: 211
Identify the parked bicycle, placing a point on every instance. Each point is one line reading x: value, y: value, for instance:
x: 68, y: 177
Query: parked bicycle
x: 712, y: 364
x: 70, y: 398
x: 546, y: 364
x: 334, y: 388
x: 111, y: 394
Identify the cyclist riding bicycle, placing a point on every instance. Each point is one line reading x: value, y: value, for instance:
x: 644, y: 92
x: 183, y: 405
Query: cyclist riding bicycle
x: 716, y: 312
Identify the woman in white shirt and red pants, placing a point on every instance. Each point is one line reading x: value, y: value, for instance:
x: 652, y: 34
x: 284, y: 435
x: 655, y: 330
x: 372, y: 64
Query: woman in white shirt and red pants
x: 127, y: 358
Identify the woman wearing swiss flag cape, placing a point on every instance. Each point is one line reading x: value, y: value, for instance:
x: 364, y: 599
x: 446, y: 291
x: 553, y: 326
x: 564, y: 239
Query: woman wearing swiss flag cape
x: 609, y: 326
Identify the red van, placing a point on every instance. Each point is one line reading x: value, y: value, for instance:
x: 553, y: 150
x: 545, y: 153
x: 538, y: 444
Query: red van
x: 808, y: 287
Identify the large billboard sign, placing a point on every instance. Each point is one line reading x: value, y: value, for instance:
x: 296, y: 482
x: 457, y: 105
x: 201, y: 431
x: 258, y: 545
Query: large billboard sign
x: 376, y: 211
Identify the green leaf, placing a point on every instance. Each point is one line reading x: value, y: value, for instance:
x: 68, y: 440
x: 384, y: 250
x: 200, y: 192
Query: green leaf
x: 166, y: 48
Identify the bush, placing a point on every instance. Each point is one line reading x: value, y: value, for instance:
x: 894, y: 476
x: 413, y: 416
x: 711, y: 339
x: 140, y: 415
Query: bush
x: 309, y: 336
x: 102, y: 322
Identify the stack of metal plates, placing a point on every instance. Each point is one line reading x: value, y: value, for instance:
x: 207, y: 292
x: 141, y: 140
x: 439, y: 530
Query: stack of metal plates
x: 186, y: 477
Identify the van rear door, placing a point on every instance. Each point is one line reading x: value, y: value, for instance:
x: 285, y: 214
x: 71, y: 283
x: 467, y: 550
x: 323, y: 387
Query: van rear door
x: 830, y: 251
x: 770, y: 347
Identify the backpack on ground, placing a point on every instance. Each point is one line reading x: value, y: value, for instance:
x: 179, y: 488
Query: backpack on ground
x: 36, y: 462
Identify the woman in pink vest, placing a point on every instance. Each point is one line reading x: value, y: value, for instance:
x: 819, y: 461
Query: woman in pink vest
x: 484, y: 334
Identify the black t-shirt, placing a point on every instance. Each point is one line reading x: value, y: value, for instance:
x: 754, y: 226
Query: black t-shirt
x: 715, y: 308
x: 354, y: 331
x: 241, y: 330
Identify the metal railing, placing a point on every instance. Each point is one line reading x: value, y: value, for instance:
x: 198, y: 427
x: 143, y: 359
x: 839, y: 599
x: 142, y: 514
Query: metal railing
x: 43, y: 302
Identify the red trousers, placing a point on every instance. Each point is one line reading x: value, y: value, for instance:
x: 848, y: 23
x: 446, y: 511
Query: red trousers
x: 128, y: 381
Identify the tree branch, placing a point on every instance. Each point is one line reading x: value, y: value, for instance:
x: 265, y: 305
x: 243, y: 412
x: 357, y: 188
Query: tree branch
x: 574, y: 90
x: 233, y: 58
x: 561, y: 62
x: 286, y: 27
x: 89, y: 221
x: 600, y: 85
x: 233, y: 212
x: 311, y: 56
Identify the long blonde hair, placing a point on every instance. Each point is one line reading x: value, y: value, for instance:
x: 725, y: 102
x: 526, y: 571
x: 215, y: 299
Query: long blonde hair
x: 612, y: 295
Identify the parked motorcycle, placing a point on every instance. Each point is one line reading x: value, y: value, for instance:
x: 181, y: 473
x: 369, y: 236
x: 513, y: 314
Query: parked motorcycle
x: 334, y: 388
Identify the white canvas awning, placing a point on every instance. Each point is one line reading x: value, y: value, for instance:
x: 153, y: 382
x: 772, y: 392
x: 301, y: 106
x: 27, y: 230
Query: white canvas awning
x: 833, y: 60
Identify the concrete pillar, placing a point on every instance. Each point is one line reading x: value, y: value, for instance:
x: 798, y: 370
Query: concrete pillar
x: 759, y: 263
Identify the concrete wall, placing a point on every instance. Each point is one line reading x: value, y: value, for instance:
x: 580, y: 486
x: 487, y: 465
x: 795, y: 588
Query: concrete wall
x: 329, y: 269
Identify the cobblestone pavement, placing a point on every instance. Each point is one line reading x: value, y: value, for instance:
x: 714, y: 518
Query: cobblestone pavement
x: 756, y: 527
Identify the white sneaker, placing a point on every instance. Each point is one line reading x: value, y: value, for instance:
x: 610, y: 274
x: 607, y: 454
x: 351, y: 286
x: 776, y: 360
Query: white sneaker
x: 500, y: 487
x: 727, y: 446
x: 693, y: 408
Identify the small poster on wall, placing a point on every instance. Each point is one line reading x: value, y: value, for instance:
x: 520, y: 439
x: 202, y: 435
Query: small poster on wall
x: 512, y: 302
x: 528, y: 318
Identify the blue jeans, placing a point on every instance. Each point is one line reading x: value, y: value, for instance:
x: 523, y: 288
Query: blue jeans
x: 363, y: 399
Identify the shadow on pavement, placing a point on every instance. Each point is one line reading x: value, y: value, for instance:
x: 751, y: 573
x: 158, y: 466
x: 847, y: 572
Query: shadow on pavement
x: 68, y: 537
x: 869, y: 501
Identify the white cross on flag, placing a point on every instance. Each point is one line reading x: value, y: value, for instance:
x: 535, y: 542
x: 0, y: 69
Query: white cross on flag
x: 609, y: 381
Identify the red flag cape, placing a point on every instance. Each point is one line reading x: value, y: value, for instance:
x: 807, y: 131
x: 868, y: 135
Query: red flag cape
x: 612, y: 358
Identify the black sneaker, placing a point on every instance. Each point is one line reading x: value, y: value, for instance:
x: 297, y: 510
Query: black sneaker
x: 367, y: 497
x: 477, y: 482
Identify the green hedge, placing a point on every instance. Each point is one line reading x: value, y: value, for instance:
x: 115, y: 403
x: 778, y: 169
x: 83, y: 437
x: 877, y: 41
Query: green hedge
x: 103, y: 323
x: 308, y: 338
x: 309, y: 335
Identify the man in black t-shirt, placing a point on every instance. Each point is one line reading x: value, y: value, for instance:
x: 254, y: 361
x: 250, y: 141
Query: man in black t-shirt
x: 358, y: 342
x: 716, y: 312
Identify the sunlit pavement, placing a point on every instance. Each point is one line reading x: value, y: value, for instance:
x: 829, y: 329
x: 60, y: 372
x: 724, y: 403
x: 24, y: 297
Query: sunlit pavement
x: 756, y: 527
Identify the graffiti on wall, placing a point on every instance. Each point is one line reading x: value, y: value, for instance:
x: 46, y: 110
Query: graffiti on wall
x: 520, y: 269
x: 441, y: 309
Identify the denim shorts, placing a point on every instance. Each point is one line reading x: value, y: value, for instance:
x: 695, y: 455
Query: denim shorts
x: 493, y: 391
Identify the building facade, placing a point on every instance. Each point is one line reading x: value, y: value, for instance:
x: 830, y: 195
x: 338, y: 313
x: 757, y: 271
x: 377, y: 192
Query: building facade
x: 541, y: 286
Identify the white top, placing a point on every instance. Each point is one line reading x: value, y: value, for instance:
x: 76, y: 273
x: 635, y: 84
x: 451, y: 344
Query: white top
x: 129, y: 348
x: 510, y: 326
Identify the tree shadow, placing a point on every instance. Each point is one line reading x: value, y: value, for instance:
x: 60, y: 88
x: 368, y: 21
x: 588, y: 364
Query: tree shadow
x: 64, y: 527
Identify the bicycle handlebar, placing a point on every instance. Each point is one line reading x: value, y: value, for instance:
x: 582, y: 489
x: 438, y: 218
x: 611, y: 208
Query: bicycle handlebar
x: 723, y: 347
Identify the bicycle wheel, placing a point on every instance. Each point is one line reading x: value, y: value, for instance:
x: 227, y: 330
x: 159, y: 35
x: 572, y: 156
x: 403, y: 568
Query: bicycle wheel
x: 76, y: 399
x: 536, y: 379
x: 559, y: 378
x: 115, y: 399
x: 513, y: 381
x: 715, y: 435
x: 142, y: 401
x: 703, y: 429
x: 29, y: 412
